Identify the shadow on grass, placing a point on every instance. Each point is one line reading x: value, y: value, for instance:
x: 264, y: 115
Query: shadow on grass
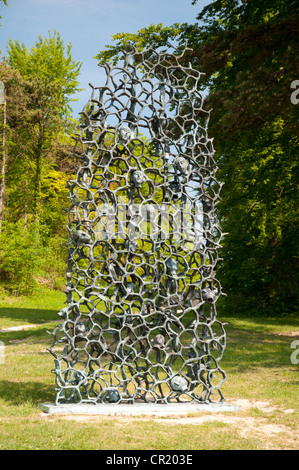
x: 291, y: 320
x: 252, y: 344
x: 32, y: 335
x: 29, y: 315
x: 18, y: 393
x: 249, y: 350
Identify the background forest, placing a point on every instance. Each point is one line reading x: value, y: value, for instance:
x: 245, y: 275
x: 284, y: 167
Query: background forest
x: 248, y: 51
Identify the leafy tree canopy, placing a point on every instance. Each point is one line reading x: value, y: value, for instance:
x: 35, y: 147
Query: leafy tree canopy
x: 247, y: 50
x: 229, y: 15
x: 48, y: 59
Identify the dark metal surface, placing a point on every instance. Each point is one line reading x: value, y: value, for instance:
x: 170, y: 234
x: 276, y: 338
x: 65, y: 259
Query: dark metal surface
x: 140, y: 321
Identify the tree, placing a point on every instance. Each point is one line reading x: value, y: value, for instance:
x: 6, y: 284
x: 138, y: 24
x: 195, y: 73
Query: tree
x: 15, y: 100
x: 39, y: 86
x: 3, y: 158
x: 52, y: 76
x: 30, y: 251
x: 50, y: 60
x: 247, y: 51
x: 251, y: 46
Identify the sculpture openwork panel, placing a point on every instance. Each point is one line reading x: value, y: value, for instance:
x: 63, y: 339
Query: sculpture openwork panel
x: 140, y: 318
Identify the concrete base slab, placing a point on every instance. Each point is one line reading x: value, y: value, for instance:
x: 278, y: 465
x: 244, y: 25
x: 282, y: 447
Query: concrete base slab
x: 136, y: 409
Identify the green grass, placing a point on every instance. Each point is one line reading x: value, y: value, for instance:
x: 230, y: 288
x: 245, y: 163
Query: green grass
x: 41, y: 308
x: 256, y: 360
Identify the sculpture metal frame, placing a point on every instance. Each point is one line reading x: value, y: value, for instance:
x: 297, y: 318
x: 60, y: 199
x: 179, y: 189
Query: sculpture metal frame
x: 140, y: 324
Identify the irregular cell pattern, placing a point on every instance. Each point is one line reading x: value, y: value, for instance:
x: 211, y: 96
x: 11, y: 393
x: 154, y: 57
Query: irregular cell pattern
x: 140, y: 321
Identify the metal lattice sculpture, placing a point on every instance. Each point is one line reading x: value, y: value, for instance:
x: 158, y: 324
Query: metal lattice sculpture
x: 140, y: 322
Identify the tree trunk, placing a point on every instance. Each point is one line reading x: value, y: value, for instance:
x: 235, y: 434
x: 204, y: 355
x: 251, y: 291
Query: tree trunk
x: 38, y: 175
x: 3, y: 161
x: 37, y: 190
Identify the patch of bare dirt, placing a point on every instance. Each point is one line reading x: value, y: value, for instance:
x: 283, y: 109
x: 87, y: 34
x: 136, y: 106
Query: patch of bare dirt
x: 17, y: 328
x: 24, y: 327
x: 246, y: 426
x: 287, y: 333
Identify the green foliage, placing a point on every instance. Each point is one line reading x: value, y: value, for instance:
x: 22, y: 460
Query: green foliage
x: 258, y: 210
x: 230, y: 15
x: 54, y: 193
x: 39, y: 83
x: 52, y: 62
x: 38, y: 140
x: 250, y: 65
x: 27, y: 260
x: 157, y: 35
x: 247, y: 50
x: 19, y: 258
x: 36, y: 146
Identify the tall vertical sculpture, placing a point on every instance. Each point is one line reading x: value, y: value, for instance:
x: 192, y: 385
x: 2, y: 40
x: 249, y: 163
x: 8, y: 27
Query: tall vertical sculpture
x: 140, y: 322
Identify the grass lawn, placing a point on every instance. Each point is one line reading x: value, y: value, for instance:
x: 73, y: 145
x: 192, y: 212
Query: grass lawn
x: 261, y: 379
